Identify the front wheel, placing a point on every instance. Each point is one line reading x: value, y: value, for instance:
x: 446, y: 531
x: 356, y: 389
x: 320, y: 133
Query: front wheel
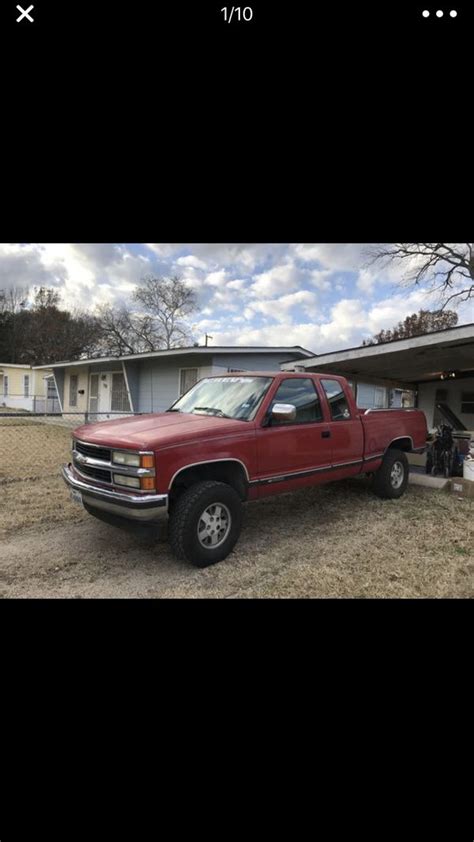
x: 391, y: 478
x: 205, y: 523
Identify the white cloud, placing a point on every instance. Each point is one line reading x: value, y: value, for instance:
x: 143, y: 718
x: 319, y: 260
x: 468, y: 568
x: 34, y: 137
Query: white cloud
x: 191, y: 260
x: 318, y: 295
x: 320, y: 278
x: 278, y: 280
x: 366, y: 281
x: 280, y: 308
x: 350, y: 321
x: 216, y: 279
x: 333, y: 256
x: 237, y: 285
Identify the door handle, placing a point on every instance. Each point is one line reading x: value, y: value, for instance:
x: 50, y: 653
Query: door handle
x: 326, y: 434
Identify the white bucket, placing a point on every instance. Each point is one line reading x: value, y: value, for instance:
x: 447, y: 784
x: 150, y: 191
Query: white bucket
x: 468, y: 469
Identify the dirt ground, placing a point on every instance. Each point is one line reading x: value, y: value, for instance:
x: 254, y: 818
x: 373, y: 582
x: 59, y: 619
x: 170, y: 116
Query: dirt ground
x: 337, y: 540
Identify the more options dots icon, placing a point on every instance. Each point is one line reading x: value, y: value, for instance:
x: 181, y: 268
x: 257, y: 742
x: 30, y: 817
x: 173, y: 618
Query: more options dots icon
x: 439, y: 13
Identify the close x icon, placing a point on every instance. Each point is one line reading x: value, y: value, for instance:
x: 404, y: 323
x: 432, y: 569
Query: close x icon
x: 25, y: 14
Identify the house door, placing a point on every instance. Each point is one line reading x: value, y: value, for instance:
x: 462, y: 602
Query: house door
x: 108, y: 393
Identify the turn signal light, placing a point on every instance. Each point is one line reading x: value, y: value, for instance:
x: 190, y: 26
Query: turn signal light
x: 147, y: 483
x: 148, y: 461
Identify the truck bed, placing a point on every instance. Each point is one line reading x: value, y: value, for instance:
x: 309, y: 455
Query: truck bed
x: 383, y: 425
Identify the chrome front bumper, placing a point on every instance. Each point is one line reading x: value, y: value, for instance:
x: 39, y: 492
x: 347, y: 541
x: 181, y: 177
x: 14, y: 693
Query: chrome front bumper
x: 141, y: 507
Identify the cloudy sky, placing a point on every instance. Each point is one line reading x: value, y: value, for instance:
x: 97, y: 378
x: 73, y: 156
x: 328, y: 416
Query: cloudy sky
x: 320, y: 296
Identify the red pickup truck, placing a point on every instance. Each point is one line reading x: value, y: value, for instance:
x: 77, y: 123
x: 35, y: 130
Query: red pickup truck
x: 233, y: 438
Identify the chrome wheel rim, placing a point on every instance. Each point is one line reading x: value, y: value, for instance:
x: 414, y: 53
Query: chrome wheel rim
x: 214, y: 525
x: 397, y: 474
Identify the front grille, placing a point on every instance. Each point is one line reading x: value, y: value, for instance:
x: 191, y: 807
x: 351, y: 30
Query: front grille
x: 94, y: 473
x: 102, y: 453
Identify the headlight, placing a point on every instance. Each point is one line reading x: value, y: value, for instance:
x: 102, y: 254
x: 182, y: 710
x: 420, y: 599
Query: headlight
x: 132, y: 482
x: 126, y: 458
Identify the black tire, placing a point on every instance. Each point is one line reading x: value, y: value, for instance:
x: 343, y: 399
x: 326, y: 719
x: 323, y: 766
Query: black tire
x: 187, y: 516
x: 384, y: 481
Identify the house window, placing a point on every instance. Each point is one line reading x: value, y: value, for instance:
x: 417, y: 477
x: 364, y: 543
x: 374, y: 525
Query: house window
x: 120, y: 402
x: 94, y: 393
x: 467, y: 403
x: 379, y: 397
x: 370, y: 396
x: 51, y: 389
x: 187, y: 378
x: 5, y: 385
x: 26, y: 385
x: 73, y: 390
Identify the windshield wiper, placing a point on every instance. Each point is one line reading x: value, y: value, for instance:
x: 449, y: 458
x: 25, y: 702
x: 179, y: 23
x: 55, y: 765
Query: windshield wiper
x: 212, y: 409
x: 173, y: 410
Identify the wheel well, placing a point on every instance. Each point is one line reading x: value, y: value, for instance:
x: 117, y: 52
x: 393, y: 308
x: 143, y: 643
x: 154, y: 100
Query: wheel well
x: 229, y: 472
x: 403, y: 443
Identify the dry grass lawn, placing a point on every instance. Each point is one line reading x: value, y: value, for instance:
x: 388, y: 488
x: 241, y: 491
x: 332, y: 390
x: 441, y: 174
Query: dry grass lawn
x: 31, y: 491
x: 31, y: 448
x: 336, y: 540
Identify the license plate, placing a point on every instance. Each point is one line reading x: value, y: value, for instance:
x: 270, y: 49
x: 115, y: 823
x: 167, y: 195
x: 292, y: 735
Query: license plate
x: 76, y: 496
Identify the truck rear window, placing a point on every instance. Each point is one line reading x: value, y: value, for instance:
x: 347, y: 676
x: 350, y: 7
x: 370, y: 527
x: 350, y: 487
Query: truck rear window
x: 337, y: 400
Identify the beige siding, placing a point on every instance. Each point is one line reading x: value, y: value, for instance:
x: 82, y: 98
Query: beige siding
x: 40, y: 384
x: 15, y: 380
x: 16, y: 387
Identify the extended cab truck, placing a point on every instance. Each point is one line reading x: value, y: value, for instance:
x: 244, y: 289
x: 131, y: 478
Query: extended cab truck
x: 233, y: 438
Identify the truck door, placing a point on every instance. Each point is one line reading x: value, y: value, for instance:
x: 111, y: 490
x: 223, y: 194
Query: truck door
x: 345, y: 427
x: 290, y: 452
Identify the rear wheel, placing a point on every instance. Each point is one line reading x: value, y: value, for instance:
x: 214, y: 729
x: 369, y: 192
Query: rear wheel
x: 205, y: 523
x: 391, y: 478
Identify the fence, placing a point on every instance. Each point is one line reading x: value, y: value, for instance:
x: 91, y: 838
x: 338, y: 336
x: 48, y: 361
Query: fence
x: 36, y: 444
x: 28, y: 402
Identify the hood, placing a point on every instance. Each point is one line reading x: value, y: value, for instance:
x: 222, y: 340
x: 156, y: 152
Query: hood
x: 161, y: 429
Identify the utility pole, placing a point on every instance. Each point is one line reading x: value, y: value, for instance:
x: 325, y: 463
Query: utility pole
x: 207, y: 337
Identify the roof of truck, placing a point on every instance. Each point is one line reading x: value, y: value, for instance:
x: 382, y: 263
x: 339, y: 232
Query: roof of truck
x: 285, y: 374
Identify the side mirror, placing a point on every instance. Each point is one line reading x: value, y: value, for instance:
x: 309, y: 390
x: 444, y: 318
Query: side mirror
x: 283, y: 412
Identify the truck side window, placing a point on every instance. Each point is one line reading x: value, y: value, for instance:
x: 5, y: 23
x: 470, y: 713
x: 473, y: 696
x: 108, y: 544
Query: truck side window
x: 301, y: 393
x: 337, y: 400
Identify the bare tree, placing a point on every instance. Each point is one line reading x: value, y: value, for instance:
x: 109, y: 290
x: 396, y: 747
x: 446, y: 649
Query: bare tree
x: 125, y: 332
x: 426, y: 321
x: 116, y: 331
x: 13, y: 299
x: 446, y: 268
x: 168, y: 302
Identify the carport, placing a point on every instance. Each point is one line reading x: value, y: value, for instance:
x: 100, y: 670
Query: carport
x: 438, y: 367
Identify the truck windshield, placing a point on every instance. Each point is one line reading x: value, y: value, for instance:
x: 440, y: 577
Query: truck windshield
x: 224, y: 397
